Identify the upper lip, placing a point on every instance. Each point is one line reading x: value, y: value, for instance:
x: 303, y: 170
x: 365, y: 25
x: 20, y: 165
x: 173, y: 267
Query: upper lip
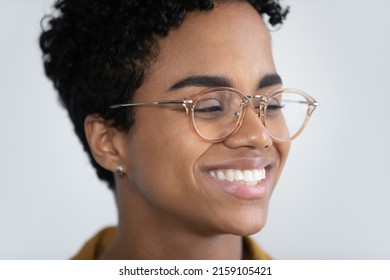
x: 243, y: 163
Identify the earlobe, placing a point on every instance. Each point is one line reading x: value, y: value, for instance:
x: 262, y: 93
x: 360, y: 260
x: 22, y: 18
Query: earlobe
x: 102, y: 142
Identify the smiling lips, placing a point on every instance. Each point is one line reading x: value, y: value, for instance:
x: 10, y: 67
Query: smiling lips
x: 247, y: 177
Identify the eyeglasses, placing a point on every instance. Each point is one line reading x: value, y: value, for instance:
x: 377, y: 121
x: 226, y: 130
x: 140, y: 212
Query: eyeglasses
x: 217, y: 113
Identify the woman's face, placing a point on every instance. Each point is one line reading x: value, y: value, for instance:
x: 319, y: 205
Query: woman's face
x: 172, y: 174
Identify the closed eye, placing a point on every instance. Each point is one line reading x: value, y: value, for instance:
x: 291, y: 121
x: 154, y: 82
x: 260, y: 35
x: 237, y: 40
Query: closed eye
x: 275, y: 107
x: 209, y: 109
x: 208, y: 105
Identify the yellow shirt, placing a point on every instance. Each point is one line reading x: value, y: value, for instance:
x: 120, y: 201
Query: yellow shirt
x: 98, y: 244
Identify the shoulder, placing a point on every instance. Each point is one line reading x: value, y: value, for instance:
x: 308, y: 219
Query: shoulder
x: 254, y: 251
x: 95, y: 246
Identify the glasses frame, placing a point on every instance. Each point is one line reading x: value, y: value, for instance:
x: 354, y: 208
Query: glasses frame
x: 189, y: 103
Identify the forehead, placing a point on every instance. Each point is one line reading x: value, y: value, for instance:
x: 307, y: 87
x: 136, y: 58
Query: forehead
x: 230, y: 40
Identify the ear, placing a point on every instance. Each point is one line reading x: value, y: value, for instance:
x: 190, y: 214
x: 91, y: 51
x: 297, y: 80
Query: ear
x: 104, y: 142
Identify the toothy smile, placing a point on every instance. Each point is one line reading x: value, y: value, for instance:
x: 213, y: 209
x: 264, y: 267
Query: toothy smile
x: 248, y: 177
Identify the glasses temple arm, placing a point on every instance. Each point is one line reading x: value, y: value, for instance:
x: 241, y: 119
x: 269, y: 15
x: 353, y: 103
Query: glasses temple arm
x: 161, y: 102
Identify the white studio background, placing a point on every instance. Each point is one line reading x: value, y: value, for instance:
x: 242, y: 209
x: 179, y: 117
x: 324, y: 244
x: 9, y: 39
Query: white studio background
x: 332, y: 201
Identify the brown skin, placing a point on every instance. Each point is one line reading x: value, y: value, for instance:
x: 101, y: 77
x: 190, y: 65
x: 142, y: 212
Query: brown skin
x: 169, y: 208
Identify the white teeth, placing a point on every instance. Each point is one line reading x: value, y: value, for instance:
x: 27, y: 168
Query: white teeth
x: 230, y: 175
x: 248, y: 177
x: 220, y: 175
x: 257, y: 175
x: 238, y: 176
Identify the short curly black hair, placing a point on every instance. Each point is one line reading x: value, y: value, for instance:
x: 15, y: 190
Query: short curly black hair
x: 96, y: 52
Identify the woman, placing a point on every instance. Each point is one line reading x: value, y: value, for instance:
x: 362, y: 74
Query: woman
x: 181, y: 110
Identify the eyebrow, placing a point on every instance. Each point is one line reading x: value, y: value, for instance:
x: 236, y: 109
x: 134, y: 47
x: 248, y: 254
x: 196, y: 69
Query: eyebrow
x: 220, y: 81
x: 270, y: 80
x: 203, y: 81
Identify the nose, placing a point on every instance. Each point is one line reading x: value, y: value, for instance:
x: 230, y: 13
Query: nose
x: 252, y: 133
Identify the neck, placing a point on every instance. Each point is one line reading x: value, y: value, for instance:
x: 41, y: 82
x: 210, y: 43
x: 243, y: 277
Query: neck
x: 217, y: 247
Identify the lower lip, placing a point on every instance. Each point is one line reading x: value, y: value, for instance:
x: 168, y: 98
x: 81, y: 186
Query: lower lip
x: 243, y: 191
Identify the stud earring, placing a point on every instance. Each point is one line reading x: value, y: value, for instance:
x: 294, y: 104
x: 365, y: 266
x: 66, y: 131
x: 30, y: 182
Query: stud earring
x: 119, y: 170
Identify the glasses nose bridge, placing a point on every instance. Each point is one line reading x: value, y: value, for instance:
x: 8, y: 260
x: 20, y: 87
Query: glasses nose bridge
x: 258, y: 107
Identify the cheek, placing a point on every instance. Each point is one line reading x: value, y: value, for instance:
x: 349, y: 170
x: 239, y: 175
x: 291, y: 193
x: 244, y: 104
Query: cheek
x: 282, y: 149
x: 162, y: 160
x: 163, y: 151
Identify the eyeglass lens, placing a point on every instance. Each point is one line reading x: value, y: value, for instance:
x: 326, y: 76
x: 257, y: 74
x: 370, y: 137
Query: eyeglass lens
x: 285, y: 115
x: 217, y: 114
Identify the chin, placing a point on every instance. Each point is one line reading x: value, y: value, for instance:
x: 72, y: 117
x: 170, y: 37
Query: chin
x: 248, y: 225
